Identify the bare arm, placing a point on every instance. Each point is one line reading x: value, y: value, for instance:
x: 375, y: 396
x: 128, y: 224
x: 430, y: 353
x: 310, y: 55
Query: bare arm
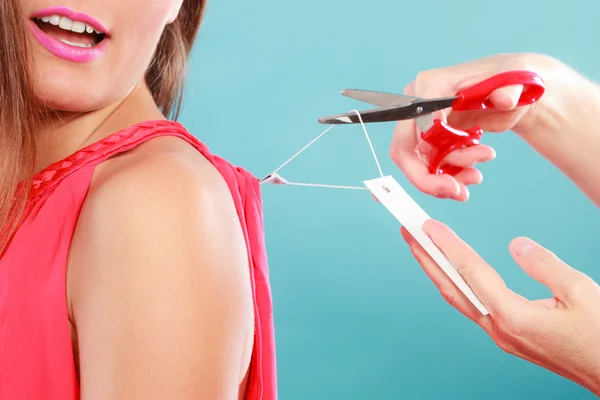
x: 159, y: 283
x: 564, y: 128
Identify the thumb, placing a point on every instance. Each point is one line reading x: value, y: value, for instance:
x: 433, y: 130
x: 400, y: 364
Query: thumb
x: 506, y: 98
x: 545, y: 267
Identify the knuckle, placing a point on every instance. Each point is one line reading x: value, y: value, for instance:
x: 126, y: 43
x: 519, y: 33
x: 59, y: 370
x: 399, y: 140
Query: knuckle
x: 423, y: 80
x: 518, y: 61
x: 510, y: 326
x: 409, y: 89
x: 502, y: 340
x: 506, y: 346
x: 581, y: 286
x: 422, y: 76
x: 394, y: 154
x: 464, y: 269
x: 468, y: 270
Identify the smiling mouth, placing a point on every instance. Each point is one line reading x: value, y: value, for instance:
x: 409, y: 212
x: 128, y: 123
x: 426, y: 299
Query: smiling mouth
x: 72, y: 33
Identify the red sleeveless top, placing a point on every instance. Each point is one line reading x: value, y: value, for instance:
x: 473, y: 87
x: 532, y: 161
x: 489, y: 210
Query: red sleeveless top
x: 36, y: 357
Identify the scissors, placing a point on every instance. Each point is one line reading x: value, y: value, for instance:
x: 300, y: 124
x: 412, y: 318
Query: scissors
x: 442, y: 137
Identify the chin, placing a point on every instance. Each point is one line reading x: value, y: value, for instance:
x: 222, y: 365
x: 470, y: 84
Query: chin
x: 70, y: 105
x: 62, y: 90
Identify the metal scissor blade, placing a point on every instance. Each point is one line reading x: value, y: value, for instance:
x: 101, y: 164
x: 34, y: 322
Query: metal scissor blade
x: 381, y: 99
x: 373, y: 115
x: 394, y: 113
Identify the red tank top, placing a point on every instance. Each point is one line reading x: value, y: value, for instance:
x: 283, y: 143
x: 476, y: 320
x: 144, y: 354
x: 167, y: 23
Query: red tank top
x: 36, y: 357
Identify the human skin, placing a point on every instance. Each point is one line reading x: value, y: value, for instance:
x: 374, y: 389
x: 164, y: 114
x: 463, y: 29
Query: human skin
x: 557, y: 126
x: 158, y: 285
x: 558, y: 333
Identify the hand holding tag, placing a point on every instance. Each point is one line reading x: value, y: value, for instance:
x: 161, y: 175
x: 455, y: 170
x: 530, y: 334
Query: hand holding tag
x: 412, y: 217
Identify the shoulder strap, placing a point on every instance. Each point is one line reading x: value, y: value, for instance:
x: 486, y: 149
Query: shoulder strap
x: 113, y: 144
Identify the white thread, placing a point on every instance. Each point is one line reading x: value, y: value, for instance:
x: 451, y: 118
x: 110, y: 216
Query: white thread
x: 327, y: 186
x: 317, y: 138
x: 362, y: 124
x: 302, y: 149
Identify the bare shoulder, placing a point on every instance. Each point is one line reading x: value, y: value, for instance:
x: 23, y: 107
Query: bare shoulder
x: 159, y: 278
x: 156, y: 163
x: 163, y: 189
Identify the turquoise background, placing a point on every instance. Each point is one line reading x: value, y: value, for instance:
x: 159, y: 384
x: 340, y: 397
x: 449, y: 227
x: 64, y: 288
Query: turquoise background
x: 356, y: 318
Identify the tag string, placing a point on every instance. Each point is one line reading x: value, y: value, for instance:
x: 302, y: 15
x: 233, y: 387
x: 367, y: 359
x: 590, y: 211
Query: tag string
x: 326, y: 186
x: 364, y: 128
x: 317, y: 138
x: 286, y: 162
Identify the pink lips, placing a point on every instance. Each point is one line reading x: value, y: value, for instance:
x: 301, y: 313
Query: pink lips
x: 63, y: 50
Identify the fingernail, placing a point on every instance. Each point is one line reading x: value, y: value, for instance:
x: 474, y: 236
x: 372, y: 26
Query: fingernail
x: 427, y: 226
x: 406, y: 236
x: 522, y: 246
x: 442, y: 193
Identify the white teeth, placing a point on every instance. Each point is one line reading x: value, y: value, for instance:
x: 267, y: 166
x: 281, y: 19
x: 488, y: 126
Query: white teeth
x: 75, y: 44
x: 65, y: 23
x: 78, y: 27
x: 69, y: 25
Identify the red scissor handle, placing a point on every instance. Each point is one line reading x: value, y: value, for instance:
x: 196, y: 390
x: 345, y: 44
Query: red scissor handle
x: 476, y: 97
x: 444, y: 139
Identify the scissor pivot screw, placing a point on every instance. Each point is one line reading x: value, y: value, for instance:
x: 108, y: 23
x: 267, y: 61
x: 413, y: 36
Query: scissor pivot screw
x: 419, y: 110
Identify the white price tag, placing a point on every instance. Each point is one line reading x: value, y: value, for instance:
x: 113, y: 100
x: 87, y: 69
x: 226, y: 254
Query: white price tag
x: 389, y: 192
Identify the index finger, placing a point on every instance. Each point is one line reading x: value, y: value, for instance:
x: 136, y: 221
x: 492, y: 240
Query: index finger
x: 405, y: 154
x: 485, y: 282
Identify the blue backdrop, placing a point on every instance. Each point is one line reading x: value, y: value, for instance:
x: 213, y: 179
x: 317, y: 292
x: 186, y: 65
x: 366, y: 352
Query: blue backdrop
x: 356, y: 318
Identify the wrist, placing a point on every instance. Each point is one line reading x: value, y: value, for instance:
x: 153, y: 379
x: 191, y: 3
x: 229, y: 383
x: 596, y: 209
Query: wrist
x: 569, y: 100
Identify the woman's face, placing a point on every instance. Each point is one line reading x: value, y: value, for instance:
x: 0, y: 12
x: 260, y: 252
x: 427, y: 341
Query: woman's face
x: 89, y: 54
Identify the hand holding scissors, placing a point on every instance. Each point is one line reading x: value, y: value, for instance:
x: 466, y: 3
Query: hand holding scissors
x: 439, y: 139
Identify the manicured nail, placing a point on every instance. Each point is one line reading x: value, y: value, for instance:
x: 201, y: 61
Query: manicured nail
x: 522, y: 246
